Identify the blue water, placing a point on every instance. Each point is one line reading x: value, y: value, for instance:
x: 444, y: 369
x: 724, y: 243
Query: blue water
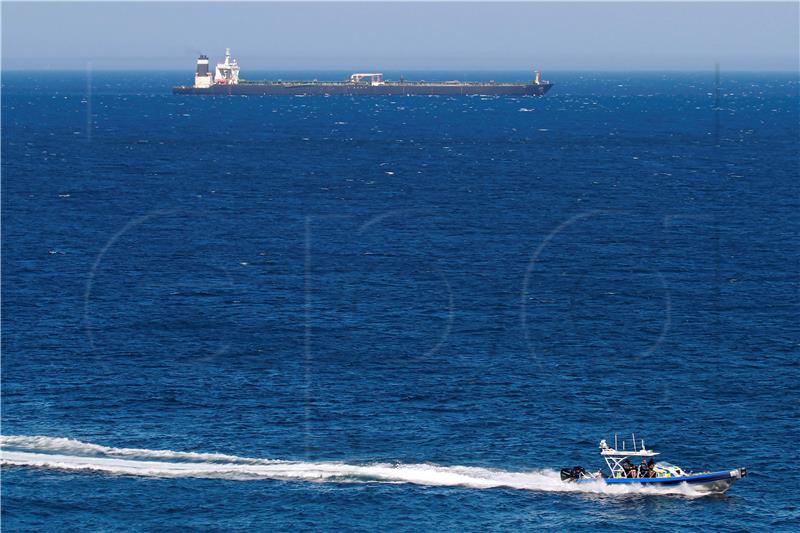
x: 396, y: 313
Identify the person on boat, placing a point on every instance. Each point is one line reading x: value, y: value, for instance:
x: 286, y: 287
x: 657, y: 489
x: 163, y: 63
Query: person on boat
x: 643, y: 470
x: 630, y: 470
x: 651, y: 468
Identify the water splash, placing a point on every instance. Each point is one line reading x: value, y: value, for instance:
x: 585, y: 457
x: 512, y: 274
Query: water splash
x: 73, y: 455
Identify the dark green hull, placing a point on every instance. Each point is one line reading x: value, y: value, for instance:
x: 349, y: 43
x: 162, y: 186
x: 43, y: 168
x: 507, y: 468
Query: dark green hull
x: 355, y: 89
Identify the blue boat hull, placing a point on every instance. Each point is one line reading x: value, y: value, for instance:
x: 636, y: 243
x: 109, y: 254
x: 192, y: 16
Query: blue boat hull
x: 709, y: 482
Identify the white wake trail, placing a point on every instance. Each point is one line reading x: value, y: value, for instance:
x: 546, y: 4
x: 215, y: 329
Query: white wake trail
x: 72, y: 455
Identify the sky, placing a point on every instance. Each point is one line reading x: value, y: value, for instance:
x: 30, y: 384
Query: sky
x: 562, y: 35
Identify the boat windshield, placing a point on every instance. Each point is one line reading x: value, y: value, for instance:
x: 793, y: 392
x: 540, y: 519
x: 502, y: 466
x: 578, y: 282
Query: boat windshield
x: 665, y: 469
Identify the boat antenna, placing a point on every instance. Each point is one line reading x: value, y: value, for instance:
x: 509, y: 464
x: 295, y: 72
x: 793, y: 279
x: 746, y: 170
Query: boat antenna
x: 616, y: 446
x: 633, y: 436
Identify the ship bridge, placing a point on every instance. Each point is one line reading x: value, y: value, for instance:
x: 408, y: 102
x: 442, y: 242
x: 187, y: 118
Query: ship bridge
x: 228, y: 72
x: 373, y: 78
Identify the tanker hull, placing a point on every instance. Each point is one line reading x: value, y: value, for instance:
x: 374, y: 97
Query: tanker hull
x: 344, y: 89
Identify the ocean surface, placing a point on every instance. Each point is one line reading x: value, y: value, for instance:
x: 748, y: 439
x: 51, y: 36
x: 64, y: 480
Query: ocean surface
x: 397, y: 313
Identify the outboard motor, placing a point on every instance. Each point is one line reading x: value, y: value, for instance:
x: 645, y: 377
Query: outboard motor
x: 573, y: 474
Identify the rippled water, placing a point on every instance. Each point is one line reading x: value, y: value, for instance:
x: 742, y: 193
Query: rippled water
x: 405, y: 313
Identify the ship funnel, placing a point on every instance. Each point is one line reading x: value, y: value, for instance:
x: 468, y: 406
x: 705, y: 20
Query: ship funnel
x: 202, y: 78
x: 202, y: 65
x: 536, y: 81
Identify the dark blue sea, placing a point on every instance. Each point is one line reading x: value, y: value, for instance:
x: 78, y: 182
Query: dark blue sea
x: 397, y: 313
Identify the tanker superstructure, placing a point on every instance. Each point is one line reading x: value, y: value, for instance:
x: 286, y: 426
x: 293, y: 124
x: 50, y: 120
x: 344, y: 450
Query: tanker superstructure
x: 225, y: 81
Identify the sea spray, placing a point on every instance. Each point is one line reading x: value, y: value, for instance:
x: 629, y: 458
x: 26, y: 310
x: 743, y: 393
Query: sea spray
x: 60, y: 453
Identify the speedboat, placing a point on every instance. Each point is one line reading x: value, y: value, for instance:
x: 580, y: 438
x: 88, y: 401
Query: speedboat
x: 622, y: 471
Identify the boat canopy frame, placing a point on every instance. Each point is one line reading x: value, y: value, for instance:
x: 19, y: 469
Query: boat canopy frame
x: 615, y: 458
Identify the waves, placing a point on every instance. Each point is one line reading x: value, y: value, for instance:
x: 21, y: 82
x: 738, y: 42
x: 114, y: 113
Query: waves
x: 73, y: 455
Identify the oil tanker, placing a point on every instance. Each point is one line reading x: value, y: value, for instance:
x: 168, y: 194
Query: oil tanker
x: 225, y: 81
